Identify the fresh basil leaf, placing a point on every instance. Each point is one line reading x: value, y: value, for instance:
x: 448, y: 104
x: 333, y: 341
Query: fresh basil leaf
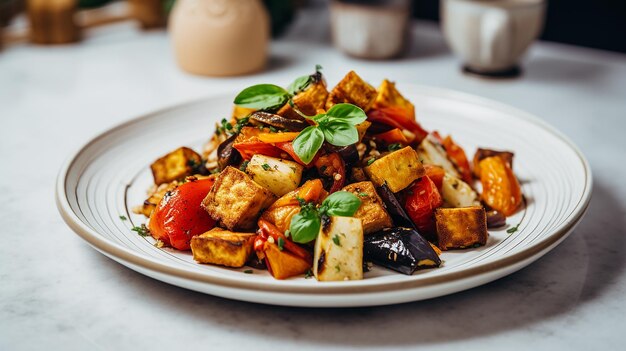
x: 305, y: 226
x: 262, y: 97
x: 299, y: 84
x: 342, y: 203
x: 339, y: 133
x: 307, y: 143
x: 347, y: 113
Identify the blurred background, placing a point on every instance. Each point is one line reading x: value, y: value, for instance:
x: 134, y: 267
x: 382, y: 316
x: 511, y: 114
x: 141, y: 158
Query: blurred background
x: 597, y: 24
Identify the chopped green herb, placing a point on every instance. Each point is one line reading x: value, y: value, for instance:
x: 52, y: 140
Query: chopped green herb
x: 363, y: 194
x: 193, y: 164
x: 370, y: 161
x: 273, y: 130
x: 294, y: 169
x: 337, y: 240
x: 248, y: 271
x: 308, y: 274
x: 337, y: 268
x: 241, y: 123
x: 301, y: 201
x: 513, y: 229
x: 123, y: 218
x: 141, y: 230
x: 394, y: 147
x: 243, y: 166
x: 287, y: 233
x: 266, y: 167
x: 281, y: 244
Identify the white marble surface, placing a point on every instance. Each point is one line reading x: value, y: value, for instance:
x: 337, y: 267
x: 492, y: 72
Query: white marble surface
x: 58, y: 293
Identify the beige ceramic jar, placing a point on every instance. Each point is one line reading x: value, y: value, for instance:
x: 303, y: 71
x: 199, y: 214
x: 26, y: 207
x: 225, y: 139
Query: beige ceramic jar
x: 220, y: 37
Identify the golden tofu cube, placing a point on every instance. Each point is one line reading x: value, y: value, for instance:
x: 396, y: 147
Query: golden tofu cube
x: 236, y: 201
x: 222, y: 247
x: 312, y: 99
x: 175, y: 165
x: 460, y: 228
x: 353, y: 90
x: 398, y: 169
x: 372, y: 213
x: 389, y: 96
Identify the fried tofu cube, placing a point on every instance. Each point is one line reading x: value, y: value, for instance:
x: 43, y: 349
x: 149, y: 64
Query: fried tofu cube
x: 222, y: 247
x: 154, y: 197
x: 398, y: 169
x: 389, y: 96
x: 460, y: 228
x: 372, y: 213
x: 236, y: 201
x: 175, y: 165
x: 353, y: 90
x: 338, y: 252
x: 312, y: 99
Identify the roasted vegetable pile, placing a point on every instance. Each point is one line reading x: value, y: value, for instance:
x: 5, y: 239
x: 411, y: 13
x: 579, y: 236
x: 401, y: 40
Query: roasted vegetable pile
x: 306, y: 181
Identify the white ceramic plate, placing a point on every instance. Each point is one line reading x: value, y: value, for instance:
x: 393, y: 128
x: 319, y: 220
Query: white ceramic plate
x: 110, y: 175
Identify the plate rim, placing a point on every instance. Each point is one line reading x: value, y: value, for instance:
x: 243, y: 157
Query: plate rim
x: 126, y: 255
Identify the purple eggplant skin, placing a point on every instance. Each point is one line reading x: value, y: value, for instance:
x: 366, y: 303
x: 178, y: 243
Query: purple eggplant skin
x: 401, y: 249
x: 349, y: 154
x: 279, y: 122
x: 227, y: 155
x: 394, y: 208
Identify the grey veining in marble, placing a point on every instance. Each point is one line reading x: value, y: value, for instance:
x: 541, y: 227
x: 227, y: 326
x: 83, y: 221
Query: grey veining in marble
x: 58, y: 293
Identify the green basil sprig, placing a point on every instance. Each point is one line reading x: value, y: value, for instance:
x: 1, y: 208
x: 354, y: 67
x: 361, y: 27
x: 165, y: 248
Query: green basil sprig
x: 302, y: 82
x: 263, y: 97
x: 305, y: 226
x: 337, y: 127
x: 270, y: 96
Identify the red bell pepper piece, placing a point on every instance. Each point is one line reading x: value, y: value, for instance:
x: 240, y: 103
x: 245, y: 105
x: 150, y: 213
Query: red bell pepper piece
x: 397, y: 117
x: 247, y: 149
x: 422, y: 200
x: 392, y: 137
x: 332, y: 165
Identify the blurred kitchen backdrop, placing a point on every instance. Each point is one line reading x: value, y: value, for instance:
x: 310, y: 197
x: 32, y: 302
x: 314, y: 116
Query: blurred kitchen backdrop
x: 597, y: 24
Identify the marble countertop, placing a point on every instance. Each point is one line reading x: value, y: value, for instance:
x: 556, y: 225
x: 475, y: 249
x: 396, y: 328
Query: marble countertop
x: 56, y: 292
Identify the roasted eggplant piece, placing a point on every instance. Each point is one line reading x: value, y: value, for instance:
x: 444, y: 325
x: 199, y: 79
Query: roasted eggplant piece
x: 279, y: 122
x: 401, y: 249
x: 349, y: 153
x: 227, y: 155
x: 395, y: 210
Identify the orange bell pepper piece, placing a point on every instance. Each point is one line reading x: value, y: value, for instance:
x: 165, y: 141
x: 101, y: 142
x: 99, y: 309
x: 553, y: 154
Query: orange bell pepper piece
x: 283, y: 264
x: 277, y: 137
x: 501, y: 190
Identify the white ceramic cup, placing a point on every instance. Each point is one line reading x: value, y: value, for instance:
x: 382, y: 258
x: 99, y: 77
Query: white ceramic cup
x: 370, y: 29
x: 490, y: 36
